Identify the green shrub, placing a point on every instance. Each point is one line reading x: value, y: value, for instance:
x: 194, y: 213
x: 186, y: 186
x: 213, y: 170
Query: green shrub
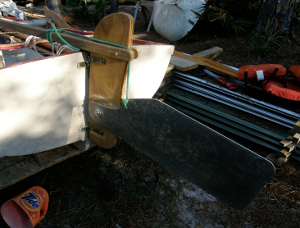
x: 264, y: 44
x: 231, y: 15
x: 73, y: 2
x: 83, y: 13
x: 258, y: 49
x: 100, y: 10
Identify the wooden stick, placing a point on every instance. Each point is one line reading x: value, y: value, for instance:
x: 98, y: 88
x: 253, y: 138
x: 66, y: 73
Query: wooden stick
x: 209, y: 53
x: 81, y: 43
x: 209, y: 64
x: 55, y: 18
x: 18, y: 44
x: 45, y: 44
x: 29, y: 45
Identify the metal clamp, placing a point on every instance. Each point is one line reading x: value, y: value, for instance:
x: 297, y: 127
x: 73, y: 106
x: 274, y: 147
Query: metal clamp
x: 94, y: 59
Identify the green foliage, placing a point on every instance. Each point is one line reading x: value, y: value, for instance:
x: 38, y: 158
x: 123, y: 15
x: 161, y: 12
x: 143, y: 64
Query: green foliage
x: 73, y: 2
x: 100, y: 10
x: 240, y: 25
x: 270, y: 36
x: 265, y: 43
x: 190, y: 37
x: 258, y: 49
x: 230, y: 15
x: 82, y: 12
x: 219, y: 17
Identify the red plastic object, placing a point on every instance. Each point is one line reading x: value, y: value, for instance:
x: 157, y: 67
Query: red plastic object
x: 229, y: 85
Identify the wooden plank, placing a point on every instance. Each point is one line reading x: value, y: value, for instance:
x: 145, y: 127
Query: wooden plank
x: 290, y: 147
x: 209, y: 53
x: 297, y: 126
x: 170, y: 68
x: 139, y: 36
x: 56, y: 18
x: 81, y: 43
x: 285, y: 142
x: 106, y: 80
x: 17, y: 168
x: 183, y: 64
x: 209, y: 64
x: 108, y: 85
x: 296, y: 138
x: 284, y: 153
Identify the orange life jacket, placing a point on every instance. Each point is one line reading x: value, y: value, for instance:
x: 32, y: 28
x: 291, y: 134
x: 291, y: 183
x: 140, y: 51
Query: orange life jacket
x: 287, y: 87
x: 261, y: 72
x: 295, y: 70
x: 277, y: 88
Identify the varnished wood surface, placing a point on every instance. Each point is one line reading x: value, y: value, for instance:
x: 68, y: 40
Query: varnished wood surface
x: 81, y: 43
x: 106, y: 80
x: 55, y: 18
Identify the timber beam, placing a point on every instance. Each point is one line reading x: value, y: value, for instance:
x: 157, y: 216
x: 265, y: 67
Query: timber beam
x: 78, y: 42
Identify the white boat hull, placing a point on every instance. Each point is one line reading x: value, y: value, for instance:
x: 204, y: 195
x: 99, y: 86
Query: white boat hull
x: 42, y: 104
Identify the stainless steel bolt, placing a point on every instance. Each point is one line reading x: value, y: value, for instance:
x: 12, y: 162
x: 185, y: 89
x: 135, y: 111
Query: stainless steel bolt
x: 98, y: 112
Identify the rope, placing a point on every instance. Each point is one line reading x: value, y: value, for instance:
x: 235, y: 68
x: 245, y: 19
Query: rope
x: 49, y: 32
x: 28, y: 40
x: 54, y: 29
x: 125, y: 101
x: 62, y: 48
x: 59, y: 48
x: 12, y: 41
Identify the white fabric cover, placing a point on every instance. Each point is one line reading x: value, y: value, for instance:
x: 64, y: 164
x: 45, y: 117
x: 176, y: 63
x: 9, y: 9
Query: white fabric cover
x: 9, y: 8
x: 173, y: 19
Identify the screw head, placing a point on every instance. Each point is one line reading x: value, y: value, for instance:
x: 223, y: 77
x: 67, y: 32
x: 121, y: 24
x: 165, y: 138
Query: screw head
x: 98, y: 113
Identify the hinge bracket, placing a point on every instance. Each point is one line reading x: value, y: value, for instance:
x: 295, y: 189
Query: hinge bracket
x: 94, y: 59
x: 94, y: 129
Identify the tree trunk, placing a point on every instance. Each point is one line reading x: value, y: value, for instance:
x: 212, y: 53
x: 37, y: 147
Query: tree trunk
x: 281, y: 14
x: 55, y: 5
x: 114, y: 6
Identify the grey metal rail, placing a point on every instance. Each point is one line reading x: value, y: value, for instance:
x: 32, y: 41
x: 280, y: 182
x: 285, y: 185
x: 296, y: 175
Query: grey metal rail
x: 229, y: 123
x: 238, y: 96
x: 221, y: 116
x: 235, y: 104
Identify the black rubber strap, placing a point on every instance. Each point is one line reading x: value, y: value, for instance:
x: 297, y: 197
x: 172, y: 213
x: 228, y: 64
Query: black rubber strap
x: 272, y: 76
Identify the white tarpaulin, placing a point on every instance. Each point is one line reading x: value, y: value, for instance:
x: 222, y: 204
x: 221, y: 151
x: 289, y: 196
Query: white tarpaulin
x: 9, y: 8
x: 173, y: 19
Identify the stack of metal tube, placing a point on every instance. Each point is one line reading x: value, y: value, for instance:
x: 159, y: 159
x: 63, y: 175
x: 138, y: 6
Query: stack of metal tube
x: 184, y: 83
